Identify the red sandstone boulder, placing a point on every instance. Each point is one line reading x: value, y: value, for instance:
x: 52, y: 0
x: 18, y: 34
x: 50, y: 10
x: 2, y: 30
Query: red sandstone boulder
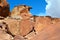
x: 47, y: 31
x: 41, y: 23
x: 50, y: 32
x: 19, y: 27
x: 25, y: 27
x: 21, y: 12
x: 13, y: 26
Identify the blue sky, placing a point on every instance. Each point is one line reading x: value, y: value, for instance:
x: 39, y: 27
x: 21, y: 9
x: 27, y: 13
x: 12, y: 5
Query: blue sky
x: 38, y: 6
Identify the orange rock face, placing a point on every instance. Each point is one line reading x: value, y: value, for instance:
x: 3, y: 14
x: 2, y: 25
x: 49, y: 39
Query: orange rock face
x: 46, y: 28
x: 41, y: 23
x: 3, y: 3
x: 13, y: 26
x: 50, y: 32
x: 21, y: 25
x: 21, y: 11
x: 25, y: 27
x: 4, y: 8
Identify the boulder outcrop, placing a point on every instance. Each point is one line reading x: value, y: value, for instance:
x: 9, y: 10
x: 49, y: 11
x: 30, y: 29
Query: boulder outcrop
x: 4, y: 8
x: 21, y: 12
x: 21, y: 25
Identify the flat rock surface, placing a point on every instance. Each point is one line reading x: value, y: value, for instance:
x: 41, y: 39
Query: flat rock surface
x: 13, y: 26
x: 25, y: 27
x: 41, y: 23
x: 50, y: 32
x: 5, y: 36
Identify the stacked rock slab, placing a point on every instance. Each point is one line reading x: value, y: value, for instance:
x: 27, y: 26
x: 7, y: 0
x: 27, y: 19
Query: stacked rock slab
x: 25, y: 27
x: 21, y: 25
x: 13, y: 26
x: 41, y: 23
x: 50, y: 30
x: 24, y: 24
x: 4, y: 8
x: 21, y: 11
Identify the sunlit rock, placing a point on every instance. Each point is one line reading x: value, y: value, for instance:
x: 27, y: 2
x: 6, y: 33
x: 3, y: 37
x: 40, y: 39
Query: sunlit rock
x: 21, y: 12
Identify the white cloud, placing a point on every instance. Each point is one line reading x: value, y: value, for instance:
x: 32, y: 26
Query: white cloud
x: 53, y: 8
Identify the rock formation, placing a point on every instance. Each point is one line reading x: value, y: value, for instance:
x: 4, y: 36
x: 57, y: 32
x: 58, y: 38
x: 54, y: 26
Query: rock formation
x: 25, y: 27
x: 21, y: 25
x: 4, y: 8
x: 47, y: 28
x: 21, y: 11
x: 5, y: 36
x: 18, y: 37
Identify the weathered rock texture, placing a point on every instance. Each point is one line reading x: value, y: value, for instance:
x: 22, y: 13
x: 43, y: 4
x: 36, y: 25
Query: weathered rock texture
x: 21, y: 12
x: 13, y: 26
x: 21, y: 25
x: 5, y: 36
x: 49, y: 32
x: 18, y: 37
x: 25, y: 27
x: 4, y: 8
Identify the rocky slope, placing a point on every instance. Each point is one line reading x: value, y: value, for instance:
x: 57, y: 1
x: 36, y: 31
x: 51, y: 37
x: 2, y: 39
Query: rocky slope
x: 21, y: 25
